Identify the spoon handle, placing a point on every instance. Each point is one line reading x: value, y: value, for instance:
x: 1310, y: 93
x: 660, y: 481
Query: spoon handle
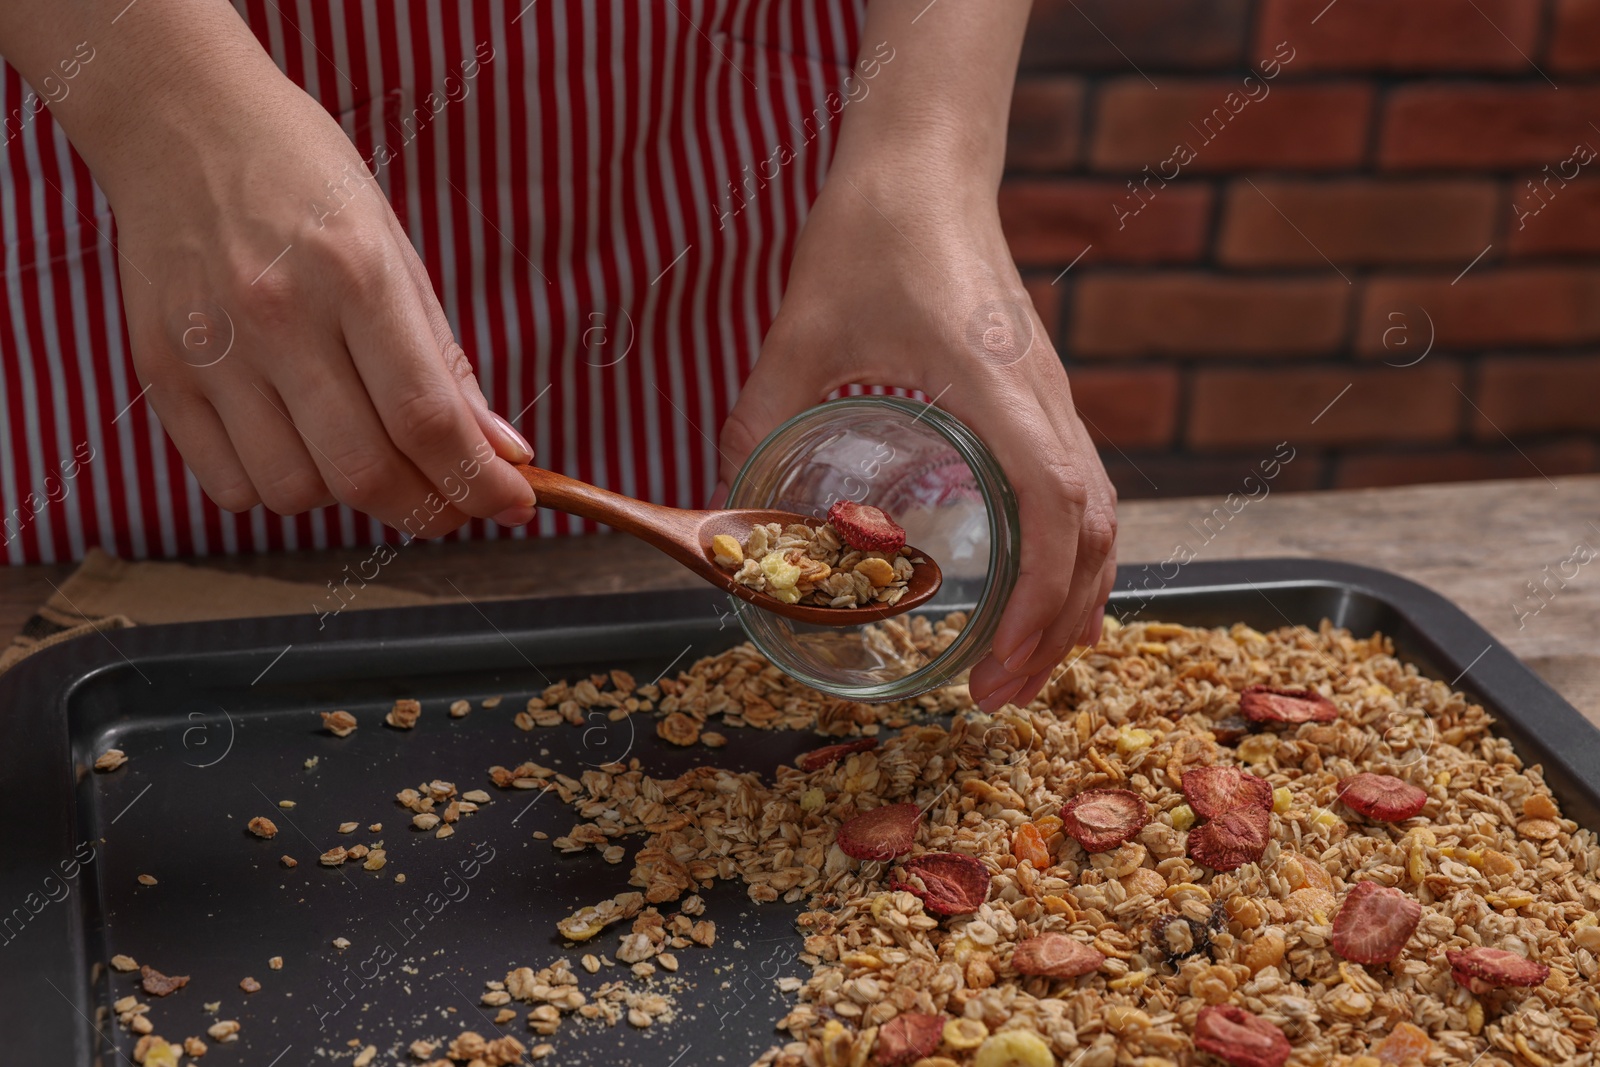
x: 637, y: 517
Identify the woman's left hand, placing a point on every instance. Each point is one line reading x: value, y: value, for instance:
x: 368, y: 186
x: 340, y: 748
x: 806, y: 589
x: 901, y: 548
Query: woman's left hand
x: 906, y: 280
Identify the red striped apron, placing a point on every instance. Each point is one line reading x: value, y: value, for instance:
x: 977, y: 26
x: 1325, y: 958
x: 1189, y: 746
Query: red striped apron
x: 591, y: 185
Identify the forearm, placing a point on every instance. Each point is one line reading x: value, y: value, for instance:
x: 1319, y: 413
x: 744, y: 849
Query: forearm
x: 123, y: 79
x: 936, y: 111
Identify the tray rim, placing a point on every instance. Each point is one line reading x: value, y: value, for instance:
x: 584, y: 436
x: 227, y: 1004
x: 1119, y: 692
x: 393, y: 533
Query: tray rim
x: 1542, y: 725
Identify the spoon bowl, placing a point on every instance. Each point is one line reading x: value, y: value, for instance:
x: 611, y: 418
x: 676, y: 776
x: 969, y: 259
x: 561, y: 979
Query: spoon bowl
x: 686, y: 536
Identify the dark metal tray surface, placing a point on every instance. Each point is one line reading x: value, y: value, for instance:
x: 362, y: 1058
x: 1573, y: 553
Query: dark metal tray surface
x: 219, y: 719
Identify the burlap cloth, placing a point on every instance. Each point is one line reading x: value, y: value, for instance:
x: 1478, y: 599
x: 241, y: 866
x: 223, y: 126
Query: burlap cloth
x: 106, y: 593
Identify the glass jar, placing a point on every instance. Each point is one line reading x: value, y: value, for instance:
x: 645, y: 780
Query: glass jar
x: 934, y: 476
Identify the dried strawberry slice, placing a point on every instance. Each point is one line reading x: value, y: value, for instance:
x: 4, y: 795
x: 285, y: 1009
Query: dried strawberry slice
x: 1382, y: 796
x: 909, y: 1037
x: 1494, y: 967
x: 1374, y: 923
x: 1102, y: 819
x: 880, y: 834
x: 864, y: 527
x: 160, y: 985
x: 819, y: 758
x: 1231, y: 840
x: 947, y: 883
x: 1056, y: 956
x: 1240, y: 1037
x: 1214, y: 791
x: 1263, y: 703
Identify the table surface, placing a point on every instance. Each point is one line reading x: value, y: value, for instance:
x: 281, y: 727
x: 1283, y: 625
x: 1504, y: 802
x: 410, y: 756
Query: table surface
x: 1485, y: 545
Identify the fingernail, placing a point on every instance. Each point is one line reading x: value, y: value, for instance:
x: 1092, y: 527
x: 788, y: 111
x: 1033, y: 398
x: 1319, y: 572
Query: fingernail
x: 1001, y: 697
x: 516, y: 438
x: 1096, y: 626
x: 515, y: 517
x: 1013, y: 663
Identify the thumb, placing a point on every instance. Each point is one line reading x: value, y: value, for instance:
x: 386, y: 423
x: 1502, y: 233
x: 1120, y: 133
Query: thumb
x: 778, y: 389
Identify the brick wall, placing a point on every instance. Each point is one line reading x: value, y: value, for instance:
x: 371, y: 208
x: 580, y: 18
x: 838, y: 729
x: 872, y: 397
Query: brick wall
x: 1368, y: 227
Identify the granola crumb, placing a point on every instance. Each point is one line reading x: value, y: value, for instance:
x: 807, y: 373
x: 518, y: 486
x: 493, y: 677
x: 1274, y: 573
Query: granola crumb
x: 110, y: 760
x: 422, y: 1049
x: 288, y: 861
x: 275, y: 963
x: 225, y: 1031
x: 193, y: 1046
x: 491, y: 702
x: 311, y: 762
x: 365, y: 1057
x: 404, y: 714
x: 802, y: 564
x: 161, y: 985
x: 286, y: 805
x: 262, y: 826
x: 339, y: 723
x: 341, y: 942
x: 349, y: 827
x: 460, y: 708
x: 333, y: 857
x: 250, y: 985
x: 400, y: 878
x: 147, y: 879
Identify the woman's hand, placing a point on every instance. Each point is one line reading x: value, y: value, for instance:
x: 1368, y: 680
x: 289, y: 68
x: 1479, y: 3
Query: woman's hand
x: 284, y: 326
x: 896, y: 282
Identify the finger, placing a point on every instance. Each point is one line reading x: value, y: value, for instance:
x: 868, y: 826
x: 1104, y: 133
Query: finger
x: 354, y: 455
x: 1050, y: 504
x: 401, y: 364
x: 202, y: 440
x: 273, y: 451
x: 1097, y: 618
x: 508, y: 443
x: 776, y: 391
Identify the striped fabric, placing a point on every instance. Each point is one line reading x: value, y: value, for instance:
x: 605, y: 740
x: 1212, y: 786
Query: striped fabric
x: 596, y: 191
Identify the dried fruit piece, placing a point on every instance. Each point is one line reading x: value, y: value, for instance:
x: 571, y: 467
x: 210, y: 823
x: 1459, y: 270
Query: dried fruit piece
x: 1027, y: 843
x: 727, y: 551
x: 1014, y: 1048
x: 1056, y: 956
x: 1178, y: 937
x: 262, y: 826
x: 947, y: 883
x: 1103, y: 819
x: 1240, y: 1037
x: 1215, y: 791
x: 908, y: 1037
x: 1232, y: 840
x: 864, y: 527
x: 1482, y: 969
x: 1406, y: 1043
x: 339, y: 723
x: 159, y: 985
x: 819, y: 758
x: 1230, y: 730
x: 1374, y: 923
x: 1263, y: 703
x: 1381, y: 796
x: 880, y: 834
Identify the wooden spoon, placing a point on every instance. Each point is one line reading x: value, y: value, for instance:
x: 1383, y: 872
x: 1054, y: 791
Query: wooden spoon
x: 686, y: 537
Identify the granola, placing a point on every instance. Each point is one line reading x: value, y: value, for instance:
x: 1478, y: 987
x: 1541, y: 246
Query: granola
x: 801, y: 564
x: 1196, y: 951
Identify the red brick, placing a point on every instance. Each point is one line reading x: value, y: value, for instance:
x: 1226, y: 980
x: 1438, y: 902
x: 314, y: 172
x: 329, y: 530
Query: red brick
x: 1575, y: 44
x: 1519, y: 395
x: 1355, y: 222
x: 1406, y: 37
x: 1292, y: 127
x: 1551, y: 220
x: 1141, y: 477
x: 1046, y: 124
x: 1074, y: 35
x: 1203, y: 315
x: 1370, y: 469
x: 1485, y: 126
x: 1047, y: 302
x: 1488, y: 308
x: 1048, y: 223
x: 1235, y: 408
x: 1130, y: 408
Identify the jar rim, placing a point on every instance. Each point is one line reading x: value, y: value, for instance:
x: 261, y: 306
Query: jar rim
x: 1000, y: 509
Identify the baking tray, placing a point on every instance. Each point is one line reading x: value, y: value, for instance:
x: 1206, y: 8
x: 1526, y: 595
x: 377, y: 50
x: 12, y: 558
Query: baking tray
x: 219, y: 718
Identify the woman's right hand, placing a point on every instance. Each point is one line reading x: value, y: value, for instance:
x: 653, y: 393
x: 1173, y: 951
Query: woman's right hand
x: 286, y: 328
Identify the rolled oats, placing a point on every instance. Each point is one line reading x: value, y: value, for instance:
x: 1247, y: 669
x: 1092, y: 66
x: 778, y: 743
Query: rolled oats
x: 339, y: 723
x: 404, y: 714
x: 110, y: 760
x: 802, y: 564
